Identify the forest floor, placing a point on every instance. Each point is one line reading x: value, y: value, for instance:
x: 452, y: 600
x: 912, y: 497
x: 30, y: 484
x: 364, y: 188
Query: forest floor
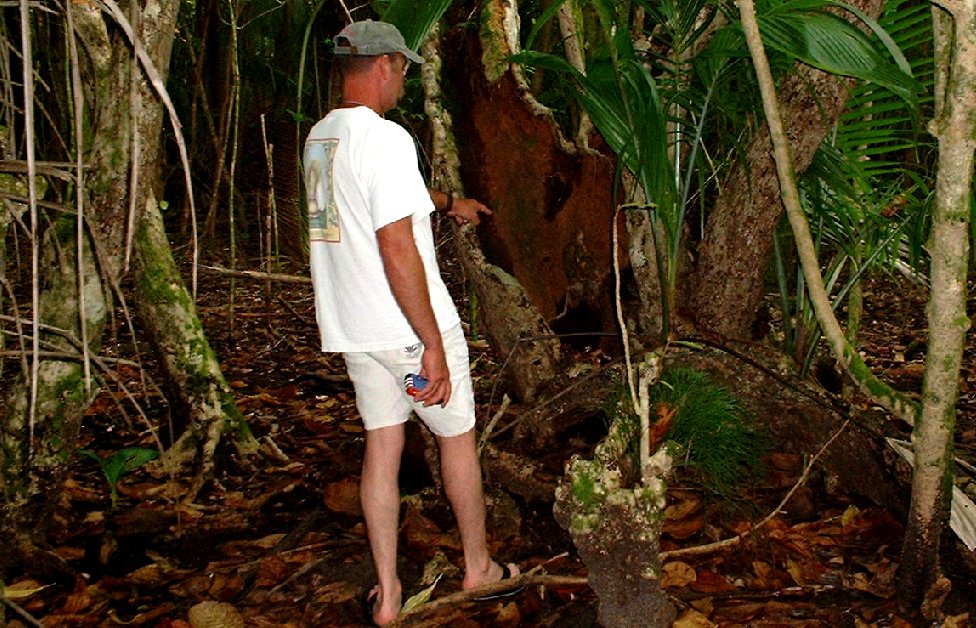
x: 279, y: 539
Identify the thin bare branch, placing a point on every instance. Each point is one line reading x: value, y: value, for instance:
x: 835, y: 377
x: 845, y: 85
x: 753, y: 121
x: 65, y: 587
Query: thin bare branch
x: 79, y: 124
x: 135, y: 113
x: 28, y: 67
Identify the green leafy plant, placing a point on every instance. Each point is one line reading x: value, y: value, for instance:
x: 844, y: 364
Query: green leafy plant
x: 712, y: 427
x: 115, y: 466
x: 866, y: 194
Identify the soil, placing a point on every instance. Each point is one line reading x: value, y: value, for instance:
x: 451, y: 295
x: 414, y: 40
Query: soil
x: 278, y: 538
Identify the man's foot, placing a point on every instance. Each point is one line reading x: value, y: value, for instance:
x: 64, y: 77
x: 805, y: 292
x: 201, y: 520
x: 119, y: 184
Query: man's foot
x: 379, y: 610
x: 494, y: 573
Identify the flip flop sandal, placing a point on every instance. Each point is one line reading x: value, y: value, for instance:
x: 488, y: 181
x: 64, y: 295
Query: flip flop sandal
x: 367, y: 600
x: 505, y: 593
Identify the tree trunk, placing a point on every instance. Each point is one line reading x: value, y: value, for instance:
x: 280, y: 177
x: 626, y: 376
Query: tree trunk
x: 737, y: 244
x: 198, y: 389
x: 615, y: 520
x: 553, y: 201
x: 126, y: 116
x: 34, y: 450
x: 955, y: 128
x: 38, y: 443
x: 512, y: 322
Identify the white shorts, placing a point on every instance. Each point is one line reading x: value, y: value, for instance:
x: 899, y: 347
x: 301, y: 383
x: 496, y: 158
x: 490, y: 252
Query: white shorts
x: 383, y: 401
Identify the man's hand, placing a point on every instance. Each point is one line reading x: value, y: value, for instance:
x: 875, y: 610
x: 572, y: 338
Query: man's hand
x: 468, y: 210
x: 433, y: 366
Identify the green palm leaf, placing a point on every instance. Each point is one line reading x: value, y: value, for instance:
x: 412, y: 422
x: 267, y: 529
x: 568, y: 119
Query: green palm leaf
x: 834, y: 45
x: 414, y: 19
x: 877, y: 146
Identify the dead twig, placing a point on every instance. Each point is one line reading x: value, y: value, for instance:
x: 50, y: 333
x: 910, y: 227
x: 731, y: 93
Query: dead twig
x: 24, y: 615
x: 486, y: 433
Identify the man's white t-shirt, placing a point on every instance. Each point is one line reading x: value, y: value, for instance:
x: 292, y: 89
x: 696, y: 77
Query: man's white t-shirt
x: 361, y: 174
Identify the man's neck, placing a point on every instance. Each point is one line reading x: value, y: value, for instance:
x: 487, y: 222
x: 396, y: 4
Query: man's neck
x: 359, y: 96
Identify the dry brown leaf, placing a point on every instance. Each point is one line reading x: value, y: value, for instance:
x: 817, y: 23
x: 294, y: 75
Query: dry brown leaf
x: 741, y: 614
x: 319, y: 423
x: 212, y: 614
x: 682, y: 507
x: 788, y: 463
x: 419, y: 531
x: 284, y: 393
x: 795, y: 569
x: 683, y: 529
x: 76, y: 602
x: 196, y: 586
x: 225, y: 587
x: 272, y: 570
x: 145, y: 617
x: 343, y: 496
x: 677, y: 574
x: 710, y: 582
x: 508, y: 615
x: 336, y: 592
x: 148, y: 576
x: 956, y: 621
x: 861, y: 582
x: 69, y: 552
x: 705, y: 606
x: 691, y: 618
x: 81, y: 493
x: 764, y: 574
x: 665, y: 417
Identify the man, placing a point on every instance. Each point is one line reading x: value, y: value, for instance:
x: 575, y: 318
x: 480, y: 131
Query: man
x: 380, y: 300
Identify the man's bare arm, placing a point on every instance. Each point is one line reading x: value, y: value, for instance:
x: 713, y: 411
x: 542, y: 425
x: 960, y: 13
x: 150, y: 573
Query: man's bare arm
x: 408, y: 281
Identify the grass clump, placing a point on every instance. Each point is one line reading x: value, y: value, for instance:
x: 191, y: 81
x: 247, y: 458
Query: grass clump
x: 711, y: 425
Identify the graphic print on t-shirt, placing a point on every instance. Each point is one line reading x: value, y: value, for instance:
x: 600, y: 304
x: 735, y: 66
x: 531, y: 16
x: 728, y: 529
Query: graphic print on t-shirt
x: 323, y: 214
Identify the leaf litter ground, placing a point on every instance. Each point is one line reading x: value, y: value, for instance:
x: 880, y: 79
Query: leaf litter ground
x: 277, y: 539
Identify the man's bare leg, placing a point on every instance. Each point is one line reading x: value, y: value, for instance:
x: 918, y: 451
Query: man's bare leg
x: 461, y: 473
x: 379, y: 493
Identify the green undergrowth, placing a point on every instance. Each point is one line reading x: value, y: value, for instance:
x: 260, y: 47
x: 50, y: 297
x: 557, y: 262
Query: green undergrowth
x: 719, y: 445
x: 714, y: 438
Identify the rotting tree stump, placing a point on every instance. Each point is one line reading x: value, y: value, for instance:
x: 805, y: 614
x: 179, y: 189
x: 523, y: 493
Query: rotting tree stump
x: 617, y: 530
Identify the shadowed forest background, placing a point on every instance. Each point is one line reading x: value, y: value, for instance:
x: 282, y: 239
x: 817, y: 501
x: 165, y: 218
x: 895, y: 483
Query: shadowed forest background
x: 723, y: 292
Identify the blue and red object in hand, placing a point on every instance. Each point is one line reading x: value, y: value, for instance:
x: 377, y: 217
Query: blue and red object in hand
x: 414, y: 383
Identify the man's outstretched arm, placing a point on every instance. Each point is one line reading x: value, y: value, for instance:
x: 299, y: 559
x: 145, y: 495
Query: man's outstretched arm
x: 460, y: 209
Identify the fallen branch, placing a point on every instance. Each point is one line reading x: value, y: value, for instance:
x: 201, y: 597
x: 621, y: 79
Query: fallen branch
x: 253, y: 274
x: 532, y: 578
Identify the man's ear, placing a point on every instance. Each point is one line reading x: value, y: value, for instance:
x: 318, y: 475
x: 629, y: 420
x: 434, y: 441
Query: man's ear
x: 388, y: 65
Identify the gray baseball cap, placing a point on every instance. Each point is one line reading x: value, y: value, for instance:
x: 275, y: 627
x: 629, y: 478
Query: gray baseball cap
x: 369, y: 39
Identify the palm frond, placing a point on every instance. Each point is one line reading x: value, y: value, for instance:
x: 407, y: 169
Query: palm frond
x: 830, y: 43
x: 415, y: 19
x: 876, y: 149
